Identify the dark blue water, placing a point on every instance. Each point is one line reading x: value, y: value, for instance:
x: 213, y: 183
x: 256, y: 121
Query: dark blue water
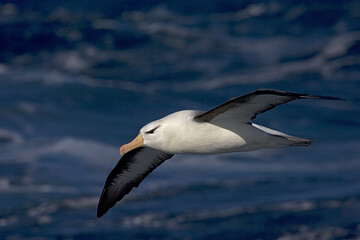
x: 78, y: 80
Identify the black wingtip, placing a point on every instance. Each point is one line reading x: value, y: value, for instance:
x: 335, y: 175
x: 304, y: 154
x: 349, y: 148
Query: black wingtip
x: 293, y: 94
x: 102, y: 208
x: 100, y: 212
x: 322, y: 97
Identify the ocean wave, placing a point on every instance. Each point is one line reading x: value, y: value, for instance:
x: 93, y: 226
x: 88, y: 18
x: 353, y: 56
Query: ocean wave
x: 7, y: 136
x: 7, y: 187
x: 10, y: 220
x: 42, y: 210
x: 331, y: 58
x: 82, y: 202
x: 43, y: 213
x: 58, y: 78
x: 88, y: 150
x: 74, y: 203
x: 160, y: 220
x: 325, y: 233
x: 3, y: 69
x: 160, y: 189
x: 328, y: 63
x: 167, y: 44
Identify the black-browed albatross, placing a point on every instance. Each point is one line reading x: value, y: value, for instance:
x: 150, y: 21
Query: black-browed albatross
x: 223, y: 129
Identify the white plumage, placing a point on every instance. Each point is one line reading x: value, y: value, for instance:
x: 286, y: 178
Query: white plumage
x: 179, y: 133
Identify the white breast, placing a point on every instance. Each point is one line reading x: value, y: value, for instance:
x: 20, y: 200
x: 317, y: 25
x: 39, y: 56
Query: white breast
x: 184, y: 135
x: 180, y: 133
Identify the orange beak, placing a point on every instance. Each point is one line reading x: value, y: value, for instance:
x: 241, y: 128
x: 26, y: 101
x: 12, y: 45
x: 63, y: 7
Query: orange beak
x: 137, y: 142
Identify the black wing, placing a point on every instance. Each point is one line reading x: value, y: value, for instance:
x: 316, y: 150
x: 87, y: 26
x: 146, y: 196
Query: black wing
x: 131, y: 169
x: 245, y: 108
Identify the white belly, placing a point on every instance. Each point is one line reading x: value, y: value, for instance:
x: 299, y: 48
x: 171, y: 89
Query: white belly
x: 206, y: 138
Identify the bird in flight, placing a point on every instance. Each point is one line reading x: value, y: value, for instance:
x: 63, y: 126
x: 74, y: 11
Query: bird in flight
x: 223, y: 129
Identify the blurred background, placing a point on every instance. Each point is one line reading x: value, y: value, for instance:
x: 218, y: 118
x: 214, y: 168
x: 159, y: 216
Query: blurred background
x: 79, y: 78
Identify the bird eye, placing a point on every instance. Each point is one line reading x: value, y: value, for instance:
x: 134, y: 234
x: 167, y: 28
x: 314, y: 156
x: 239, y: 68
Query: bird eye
x: 152, y: 130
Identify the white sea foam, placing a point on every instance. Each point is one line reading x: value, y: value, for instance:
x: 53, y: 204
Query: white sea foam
x: 79, y: 203
x: 339, y: 44
x: 71, y: 61
x: 307, y: 233
x: 27, y: 107
x: 4, y: 184
x: 3, y: 69
x: 9, y: 220
x: 42, y: 209
x: 10, y: 136
x: 35, y: 188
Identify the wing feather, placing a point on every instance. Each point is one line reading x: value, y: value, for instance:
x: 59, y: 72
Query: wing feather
x: 130, y: 171
x: 246, y: 107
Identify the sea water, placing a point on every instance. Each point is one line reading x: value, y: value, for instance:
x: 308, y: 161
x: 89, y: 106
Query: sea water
x: 79, y: 79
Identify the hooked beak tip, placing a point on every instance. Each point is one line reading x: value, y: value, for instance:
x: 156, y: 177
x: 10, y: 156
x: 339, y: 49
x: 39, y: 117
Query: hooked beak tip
x: 122, y: 150
x: 137, y: 142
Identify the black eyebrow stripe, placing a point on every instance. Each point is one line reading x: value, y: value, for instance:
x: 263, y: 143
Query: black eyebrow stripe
x: 153, y: 130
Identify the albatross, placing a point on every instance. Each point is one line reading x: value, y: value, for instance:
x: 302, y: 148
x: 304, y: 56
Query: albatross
x: 223, y: 129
